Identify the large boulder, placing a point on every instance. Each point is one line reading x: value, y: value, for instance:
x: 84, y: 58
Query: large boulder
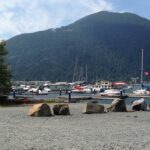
x: 61, y: 109
x: 90, y: 108
x: 139, y: 105
x: 40, y: 110
x: 118, y: 105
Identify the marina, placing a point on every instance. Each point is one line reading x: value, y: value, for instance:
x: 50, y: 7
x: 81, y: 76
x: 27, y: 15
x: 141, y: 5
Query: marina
x: 77, y: 98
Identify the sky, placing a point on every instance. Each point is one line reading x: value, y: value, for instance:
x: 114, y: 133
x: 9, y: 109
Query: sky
x: 27, y: 16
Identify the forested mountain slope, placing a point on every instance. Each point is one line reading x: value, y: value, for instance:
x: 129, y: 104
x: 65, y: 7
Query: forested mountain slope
x: 108, y: 43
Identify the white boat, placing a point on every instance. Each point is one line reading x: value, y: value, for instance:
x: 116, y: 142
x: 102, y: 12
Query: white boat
x: 140, y: 92
x: 42, y: 92
x: 111, y: 92
x: 24, y: 87
x: 87, y: 90
x: 33, y: 90
x: 47, y: 89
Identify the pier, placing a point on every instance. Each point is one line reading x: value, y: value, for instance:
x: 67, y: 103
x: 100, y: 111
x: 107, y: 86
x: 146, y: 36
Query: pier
x: 131, y: 95
x: 128, y: 95
x: 99, y: 97
x: 74, y: 98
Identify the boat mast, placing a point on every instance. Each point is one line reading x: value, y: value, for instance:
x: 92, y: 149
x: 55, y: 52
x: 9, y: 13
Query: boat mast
x: 142, y: 68
x: 86, y: 77
x: 75, y: 69
x: 81, y: 74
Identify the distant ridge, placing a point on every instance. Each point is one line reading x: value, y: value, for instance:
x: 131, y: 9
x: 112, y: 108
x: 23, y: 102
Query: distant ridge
x: 108, y: 43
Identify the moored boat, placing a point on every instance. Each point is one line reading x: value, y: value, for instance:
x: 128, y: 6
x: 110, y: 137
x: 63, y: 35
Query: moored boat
x: 81, y: 89
x: 111, y: 92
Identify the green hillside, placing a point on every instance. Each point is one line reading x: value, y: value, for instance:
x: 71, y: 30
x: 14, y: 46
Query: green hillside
x: 108, y: 43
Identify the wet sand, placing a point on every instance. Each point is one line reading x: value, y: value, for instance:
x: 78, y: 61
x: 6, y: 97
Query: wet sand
x: 108, y: 131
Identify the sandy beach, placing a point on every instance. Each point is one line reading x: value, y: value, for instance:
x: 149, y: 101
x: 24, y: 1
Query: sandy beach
x: 108, y: 131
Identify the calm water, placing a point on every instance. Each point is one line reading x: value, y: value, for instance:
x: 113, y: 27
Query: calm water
x: 101, y: 101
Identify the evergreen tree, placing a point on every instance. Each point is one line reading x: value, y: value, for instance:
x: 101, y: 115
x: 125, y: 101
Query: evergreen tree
x: 5, y: 84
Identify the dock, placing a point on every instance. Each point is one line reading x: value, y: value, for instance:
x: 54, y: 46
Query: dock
x: 128, y: 95
x: 75, y: 98
x: 82, y: 98
x: 99, y: 97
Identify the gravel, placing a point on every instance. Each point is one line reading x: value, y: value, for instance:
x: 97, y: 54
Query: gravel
x: 108, y: 131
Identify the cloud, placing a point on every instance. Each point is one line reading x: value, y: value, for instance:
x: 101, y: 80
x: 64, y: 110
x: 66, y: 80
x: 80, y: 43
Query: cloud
x: 24, y: 16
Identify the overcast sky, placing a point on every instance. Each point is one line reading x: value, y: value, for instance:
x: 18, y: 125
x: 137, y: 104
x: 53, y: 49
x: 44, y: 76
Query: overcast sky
x: 25, y: 16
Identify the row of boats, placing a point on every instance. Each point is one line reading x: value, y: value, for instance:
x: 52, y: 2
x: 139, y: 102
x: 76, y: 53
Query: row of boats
x: 113, y: 91
x: 105, y: 89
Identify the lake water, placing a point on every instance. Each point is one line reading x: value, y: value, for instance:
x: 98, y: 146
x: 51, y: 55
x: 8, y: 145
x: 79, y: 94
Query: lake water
x: 101, y: 101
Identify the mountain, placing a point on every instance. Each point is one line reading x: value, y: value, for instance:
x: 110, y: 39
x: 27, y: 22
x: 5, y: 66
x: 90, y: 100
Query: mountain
x: 108, y: 43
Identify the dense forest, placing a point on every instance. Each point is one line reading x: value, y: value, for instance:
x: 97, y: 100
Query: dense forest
x: 109, y: 44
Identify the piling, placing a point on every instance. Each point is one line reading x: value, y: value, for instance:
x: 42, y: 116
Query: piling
x: 69, y: 96
x: 60, y: 92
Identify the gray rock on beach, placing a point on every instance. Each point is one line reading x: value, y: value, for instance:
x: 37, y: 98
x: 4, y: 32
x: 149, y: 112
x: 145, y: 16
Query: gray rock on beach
x: 90, y: 108
x: 61, y: 109
x: 40, y: 110
x: 118, y: 105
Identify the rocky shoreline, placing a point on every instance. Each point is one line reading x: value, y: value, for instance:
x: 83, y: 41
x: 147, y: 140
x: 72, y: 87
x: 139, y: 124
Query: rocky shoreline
x: 113, y: 130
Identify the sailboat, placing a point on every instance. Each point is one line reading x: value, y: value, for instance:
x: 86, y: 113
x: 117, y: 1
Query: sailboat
x: 142, y: 90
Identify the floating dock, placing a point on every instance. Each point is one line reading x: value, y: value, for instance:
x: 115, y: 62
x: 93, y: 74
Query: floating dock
x: 75, y: 98
x: 99, y: 97
x: 128, y: 95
